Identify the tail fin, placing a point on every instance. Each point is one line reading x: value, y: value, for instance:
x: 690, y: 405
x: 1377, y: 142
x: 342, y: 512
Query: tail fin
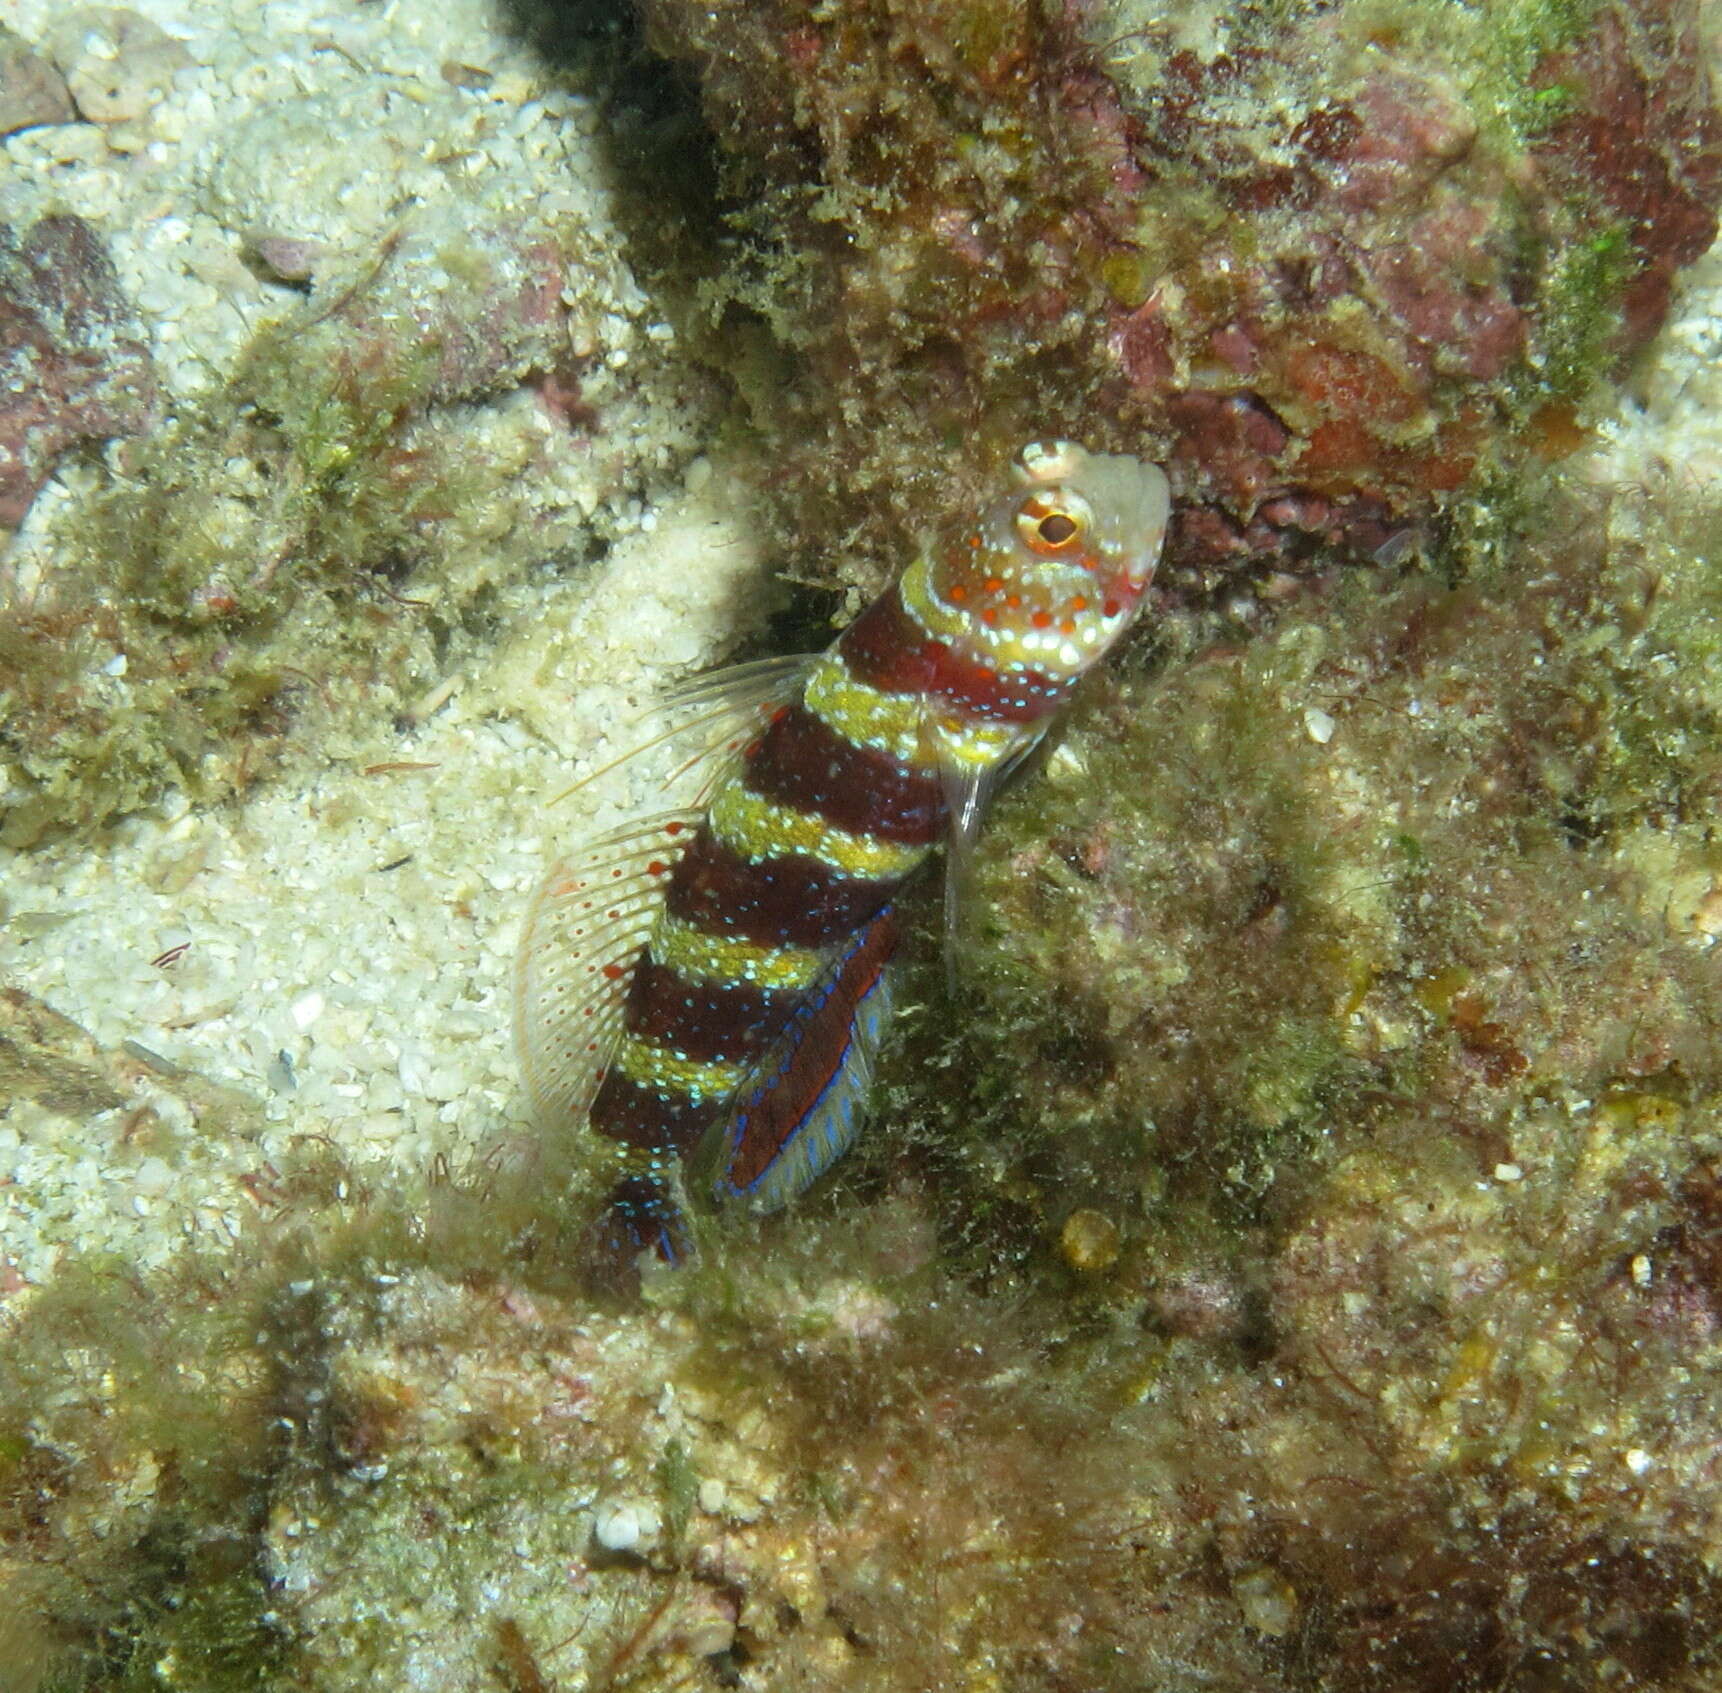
x: 639, y: 1219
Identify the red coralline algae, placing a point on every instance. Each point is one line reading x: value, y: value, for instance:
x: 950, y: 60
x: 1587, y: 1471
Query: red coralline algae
x: 73, y: 364
x: 1643, y: 139
x: 1400, y: 259
x: 1331, y: 263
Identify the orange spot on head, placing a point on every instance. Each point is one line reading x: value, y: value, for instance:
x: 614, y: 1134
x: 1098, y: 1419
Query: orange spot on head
x: 1079, y: 602
x: 958, y: 593
x: 1067, y: 627
x: 1042, y: 620
x: 989, y: 617
x: 975, y: 543
x: 673, y: 828
x: 1111, y: 609
x: 614, y: 972
x: 1014, y: 601
x: 993, y: 584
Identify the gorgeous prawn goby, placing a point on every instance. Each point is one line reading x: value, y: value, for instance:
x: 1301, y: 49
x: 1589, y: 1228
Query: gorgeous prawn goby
x: 706, y: 989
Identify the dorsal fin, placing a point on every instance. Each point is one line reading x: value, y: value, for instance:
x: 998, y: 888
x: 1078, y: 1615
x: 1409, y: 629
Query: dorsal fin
x: 593, y: 912
x: 803, y: 1106
x: 715, y: 716
x: 581, y: 940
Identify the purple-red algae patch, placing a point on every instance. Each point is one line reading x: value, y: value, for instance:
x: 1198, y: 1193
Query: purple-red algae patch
x: 74, y: 363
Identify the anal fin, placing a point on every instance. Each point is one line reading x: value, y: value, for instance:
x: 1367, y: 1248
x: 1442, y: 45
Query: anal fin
x: 805, y: 1103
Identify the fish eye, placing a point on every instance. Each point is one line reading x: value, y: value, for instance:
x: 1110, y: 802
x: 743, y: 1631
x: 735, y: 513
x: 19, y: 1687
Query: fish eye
x: 1049, y: 525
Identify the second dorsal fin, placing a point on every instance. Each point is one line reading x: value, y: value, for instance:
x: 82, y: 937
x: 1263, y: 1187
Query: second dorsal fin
x: 579, y: 946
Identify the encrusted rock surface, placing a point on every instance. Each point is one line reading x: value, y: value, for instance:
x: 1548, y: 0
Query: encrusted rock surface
x: 74, y: 361
x: 1333, y: 263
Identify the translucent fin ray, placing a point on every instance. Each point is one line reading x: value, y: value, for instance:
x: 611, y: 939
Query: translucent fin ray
x: 968, y: 791
x: 724, y: 709
x: 584, y: 931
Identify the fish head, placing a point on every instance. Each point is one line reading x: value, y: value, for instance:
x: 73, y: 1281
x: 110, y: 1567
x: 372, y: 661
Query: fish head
x: 1055, y: 571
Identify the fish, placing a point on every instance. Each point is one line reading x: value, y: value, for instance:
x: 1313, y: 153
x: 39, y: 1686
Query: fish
x: 706, y: 989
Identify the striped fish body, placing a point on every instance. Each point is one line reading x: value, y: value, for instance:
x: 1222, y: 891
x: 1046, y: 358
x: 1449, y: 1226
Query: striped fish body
x: 716, y: 983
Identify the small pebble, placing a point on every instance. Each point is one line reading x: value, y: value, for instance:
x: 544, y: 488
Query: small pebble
x: 287, y: 258
x: 117, y: 64
x: 1267, y: 1599
x: 1089, y: 1240
x: 625, y: 1527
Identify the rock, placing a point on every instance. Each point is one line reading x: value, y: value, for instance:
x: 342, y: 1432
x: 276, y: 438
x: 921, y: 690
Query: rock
x: 32, y: 92
x: 74, y: 365
x: 1330, y: 270
x: 117, y: 64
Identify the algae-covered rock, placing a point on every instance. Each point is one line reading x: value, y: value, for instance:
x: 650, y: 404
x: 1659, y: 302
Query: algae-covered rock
x: 1332, y: 262
x: 74, y: 363
x: 1361, y: 979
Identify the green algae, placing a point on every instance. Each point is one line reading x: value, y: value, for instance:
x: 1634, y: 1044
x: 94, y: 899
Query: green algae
x: 1584, y: 314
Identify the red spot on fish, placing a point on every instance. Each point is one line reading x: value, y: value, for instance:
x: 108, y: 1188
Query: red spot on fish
x: 958, y: 593
x: 1042, y: 620
x: 614, y: 972
x: 1110, y: 609
x: 674, y: 828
